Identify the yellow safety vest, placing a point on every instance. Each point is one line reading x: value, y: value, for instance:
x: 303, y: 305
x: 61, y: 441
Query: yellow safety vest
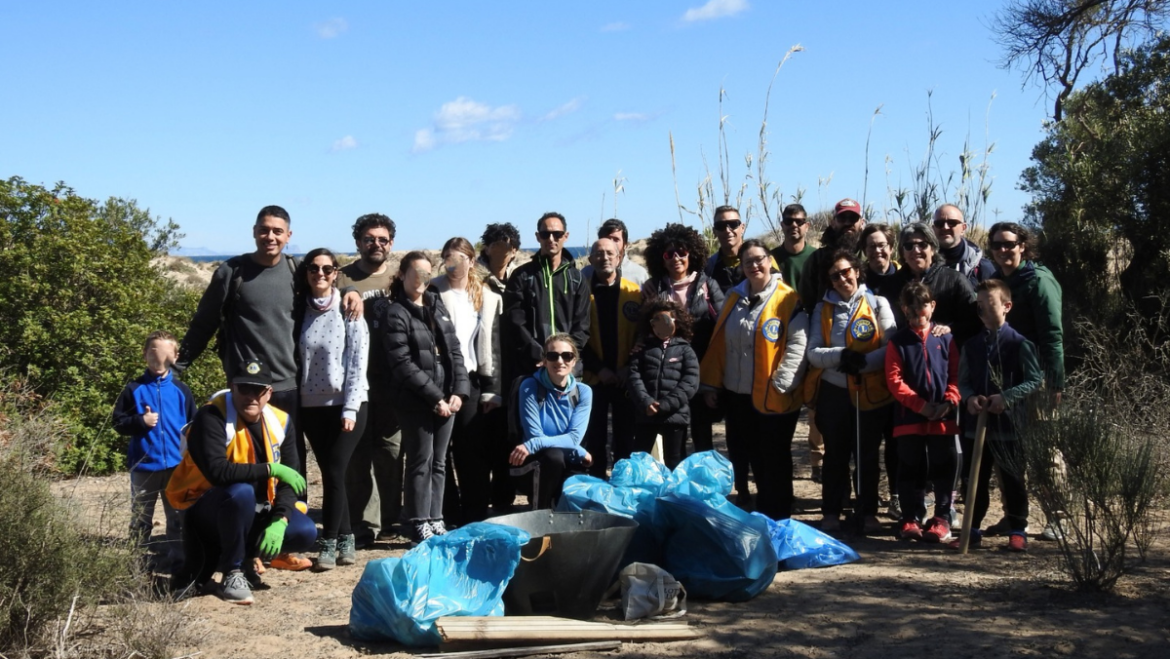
x: 771, y: 338
x: 187, y: 483
x: 863, y: 334
x: 629, y: 312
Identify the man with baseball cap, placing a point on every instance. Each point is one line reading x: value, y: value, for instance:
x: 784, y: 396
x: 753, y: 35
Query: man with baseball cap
x: 842, y: 233
x: 238, y: 482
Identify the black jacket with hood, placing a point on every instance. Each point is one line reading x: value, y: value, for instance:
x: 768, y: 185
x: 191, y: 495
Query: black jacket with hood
x: 538, y: 303
x: 420, y: 352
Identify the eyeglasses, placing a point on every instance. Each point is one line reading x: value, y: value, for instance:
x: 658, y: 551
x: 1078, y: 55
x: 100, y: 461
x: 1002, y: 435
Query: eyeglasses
x: 877, y: 246
x: 676, y: 253
x: 251, y: 390
x: 555, y: 235
x: 946, y: 224
x: 840, y: 275
x: 726, y: 225
x: 323, y: 269
x: 798, y: 221
x: 1003, y: 245
x: 370, y: 240
x: 756, y: 262
x: 552, y: 356
x: 916, y: 246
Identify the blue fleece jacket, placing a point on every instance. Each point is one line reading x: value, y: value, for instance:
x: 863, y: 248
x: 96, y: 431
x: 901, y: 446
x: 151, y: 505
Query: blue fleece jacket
x: 157, y: 448
x: 555, y: 422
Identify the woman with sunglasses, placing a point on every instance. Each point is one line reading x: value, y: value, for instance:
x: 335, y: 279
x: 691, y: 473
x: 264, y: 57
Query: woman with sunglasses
x: 427, y: 383
x: 474, y: 309
x: 954, y: 296
x: 331, y: 358
x: 755, y: 359
x: 847, y: 338
x: 553, y: 416
x: 675, y: 256
x: 1036, y: 298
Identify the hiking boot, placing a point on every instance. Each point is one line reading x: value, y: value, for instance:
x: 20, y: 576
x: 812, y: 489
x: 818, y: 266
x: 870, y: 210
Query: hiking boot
x: 437, y: 527
x: 290, y: 562
x: 1017, y: 542
x: 830, y: 523
x: 1052, y: 532
x: 326, y: 554
x: 911, y: 530
x: 938, y: 529
x: 346, y: 549
x: 421, y: 533
x: 895, y: 508
x: 975, y: 543
x: 234, y: 588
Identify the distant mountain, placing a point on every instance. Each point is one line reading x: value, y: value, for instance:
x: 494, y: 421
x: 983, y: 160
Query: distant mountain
x: 196, y: 251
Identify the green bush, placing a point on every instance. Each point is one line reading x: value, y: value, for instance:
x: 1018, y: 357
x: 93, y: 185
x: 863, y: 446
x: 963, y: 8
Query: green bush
x: 80, y: 295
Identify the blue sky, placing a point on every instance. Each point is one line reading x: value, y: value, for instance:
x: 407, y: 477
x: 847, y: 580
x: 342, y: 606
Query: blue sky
x: 449, y: 115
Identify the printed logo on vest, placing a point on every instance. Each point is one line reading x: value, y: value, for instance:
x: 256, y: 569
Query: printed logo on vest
x: 862, y: 329
x: 631, y: 310
x: 772, y: 329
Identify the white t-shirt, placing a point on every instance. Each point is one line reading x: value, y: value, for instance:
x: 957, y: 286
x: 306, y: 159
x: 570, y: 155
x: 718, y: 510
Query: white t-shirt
x: 466, y: 320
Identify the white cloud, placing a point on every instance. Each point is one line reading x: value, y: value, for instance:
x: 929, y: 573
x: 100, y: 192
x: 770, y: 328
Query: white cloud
x: 344, y: 144
x: 331, y: 28
x: 715, y: 9
x: 561, y: 110
x: 465, y: 120
x: 635, y: 117
x: 619, y: 26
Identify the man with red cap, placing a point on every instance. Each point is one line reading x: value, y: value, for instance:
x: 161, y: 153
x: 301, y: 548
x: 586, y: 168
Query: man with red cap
x: 842, y: 233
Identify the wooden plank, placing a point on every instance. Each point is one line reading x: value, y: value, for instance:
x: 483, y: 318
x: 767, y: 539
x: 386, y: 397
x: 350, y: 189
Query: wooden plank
x: 518, y: 631
x: 599, y: 646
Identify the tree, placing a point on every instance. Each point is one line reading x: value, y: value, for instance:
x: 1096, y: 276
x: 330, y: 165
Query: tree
x: 82, y: 290
x: 1101, y: 186
x: 1054, y: 41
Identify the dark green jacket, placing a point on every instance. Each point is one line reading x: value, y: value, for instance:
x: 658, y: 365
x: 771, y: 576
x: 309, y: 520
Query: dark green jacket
x: 1036, y: 313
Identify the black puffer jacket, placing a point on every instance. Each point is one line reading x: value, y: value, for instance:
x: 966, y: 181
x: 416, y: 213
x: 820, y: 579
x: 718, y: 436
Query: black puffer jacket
x: 953, y: 296
x: 420, y: 352
x: 669, y: 375
x: 704, y: 302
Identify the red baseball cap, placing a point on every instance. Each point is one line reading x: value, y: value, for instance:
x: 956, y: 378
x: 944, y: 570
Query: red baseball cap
x: 847, y: 206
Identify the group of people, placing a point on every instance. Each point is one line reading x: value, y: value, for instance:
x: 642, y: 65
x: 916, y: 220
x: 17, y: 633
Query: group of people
x: 422, y: 392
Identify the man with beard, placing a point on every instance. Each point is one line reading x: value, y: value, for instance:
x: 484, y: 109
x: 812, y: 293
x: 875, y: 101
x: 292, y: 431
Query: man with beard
x: 377, y: 459
x: 616, y: 231
x: 842, y: 233
x: 792, y: 254
x: 959, y: 253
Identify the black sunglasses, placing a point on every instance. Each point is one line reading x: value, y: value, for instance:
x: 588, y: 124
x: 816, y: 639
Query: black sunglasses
x: 381, y: 240
x: 724, y: 225
x: 251, y: 390
x: 798, y: 221
x: 947, y: 224
x: 555, y: 235
x: 677, y: 252
x: 559, y: 356
x: 323, y: 269
x: 999, y: 245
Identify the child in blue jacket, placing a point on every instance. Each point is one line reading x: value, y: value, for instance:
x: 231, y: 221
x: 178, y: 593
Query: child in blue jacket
x: 152, y: 410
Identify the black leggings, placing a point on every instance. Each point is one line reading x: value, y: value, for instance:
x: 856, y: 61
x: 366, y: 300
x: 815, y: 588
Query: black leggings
x: 674, y: 440
x: 922, y: 458
x: 333, y: 448
x: 837, y: 419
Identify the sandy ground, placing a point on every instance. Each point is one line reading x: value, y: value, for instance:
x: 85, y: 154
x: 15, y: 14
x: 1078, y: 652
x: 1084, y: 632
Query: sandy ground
x: 899, y: 600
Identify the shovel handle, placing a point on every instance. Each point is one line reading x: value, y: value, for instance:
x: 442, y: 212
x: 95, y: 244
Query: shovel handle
x: 973, y: 482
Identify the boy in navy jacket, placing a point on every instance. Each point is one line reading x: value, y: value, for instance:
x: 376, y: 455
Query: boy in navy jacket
x: 998, y: 371
x: 152, y: 410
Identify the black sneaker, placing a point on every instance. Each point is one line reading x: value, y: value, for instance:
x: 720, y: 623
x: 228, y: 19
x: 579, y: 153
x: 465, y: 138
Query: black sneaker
x: 421, y: 533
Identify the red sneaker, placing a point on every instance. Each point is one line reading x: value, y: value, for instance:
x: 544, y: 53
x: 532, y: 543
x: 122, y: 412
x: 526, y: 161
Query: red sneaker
x: 1017, y: 542
x: 911, y: 530
x: 937, y: 530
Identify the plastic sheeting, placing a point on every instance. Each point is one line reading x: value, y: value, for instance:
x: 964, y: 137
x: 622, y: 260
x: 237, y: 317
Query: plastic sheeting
x: 461, y: 573
x: 799, y: 545
x: 632, y: 491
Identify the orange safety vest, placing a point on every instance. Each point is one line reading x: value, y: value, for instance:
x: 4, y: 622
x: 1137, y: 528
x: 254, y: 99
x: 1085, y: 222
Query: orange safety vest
x: 771, y: 338
x: 187, y: 483
x: 863, y: 335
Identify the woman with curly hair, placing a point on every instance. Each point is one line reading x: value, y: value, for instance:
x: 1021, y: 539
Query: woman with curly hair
x: 663, y: 377
x: 675, y: 256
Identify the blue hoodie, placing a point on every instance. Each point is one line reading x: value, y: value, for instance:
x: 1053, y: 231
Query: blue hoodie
x: 555, y: 423
x: 157, y: 448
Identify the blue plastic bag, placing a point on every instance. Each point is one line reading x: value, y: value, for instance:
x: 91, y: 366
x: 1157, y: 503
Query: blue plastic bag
x: 716, y: 550
x: 463, y: 573
x: 632, y: 492
x: 799, y: 545
x: 706, y: 476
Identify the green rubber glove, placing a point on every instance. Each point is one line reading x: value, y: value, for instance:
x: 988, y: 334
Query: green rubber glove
x: 273, y: 538
x: 288, y: 476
